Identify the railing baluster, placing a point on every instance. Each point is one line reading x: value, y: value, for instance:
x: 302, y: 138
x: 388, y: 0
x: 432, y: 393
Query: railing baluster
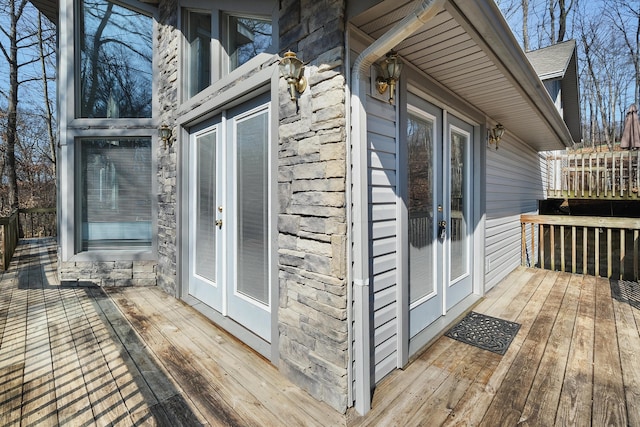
x: 635, y: 254
x: 590, y: 174
x: 533, y: 243
x: 607, y: 179
x: 622, y: 252
x: 585, y: 235
x: 582, y: 174
x: 562, y: 255
x: 573, y: 249
x: 541, y: 236
x: 552, y: 246
x: 609, y: 255
x: 523, y: 245
x: 597, y: 250
x: 597, y: 175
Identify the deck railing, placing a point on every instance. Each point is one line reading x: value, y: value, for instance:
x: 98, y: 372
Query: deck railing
x: 9, y: 241
x: 24, y: 223
x: 598, y: 175
x: 597, y: 246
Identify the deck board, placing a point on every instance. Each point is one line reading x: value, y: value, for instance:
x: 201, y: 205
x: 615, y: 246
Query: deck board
x: 629, y: 342
x: 609, y: 406
x: 81, y: 355
x: 574, y: 406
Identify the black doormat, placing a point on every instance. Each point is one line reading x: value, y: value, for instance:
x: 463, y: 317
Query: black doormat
x: 486, y: 332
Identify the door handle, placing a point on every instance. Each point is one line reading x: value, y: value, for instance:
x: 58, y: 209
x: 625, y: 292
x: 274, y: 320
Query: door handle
x: 442, y: 229
x: 219, y: 223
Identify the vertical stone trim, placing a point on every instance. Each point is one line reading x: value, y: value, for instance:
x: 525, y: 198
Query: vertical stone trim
x: 312, y: 227
x: 167, y: 49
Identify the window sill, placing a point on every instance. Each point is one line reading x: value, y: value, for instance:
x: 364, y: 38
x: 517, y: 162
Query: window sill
x: 105, y: 255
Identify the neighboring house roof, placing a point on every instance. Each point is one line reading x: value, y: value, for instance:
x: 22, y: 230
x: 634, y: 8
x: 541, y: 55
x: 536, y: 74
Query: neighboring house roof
x: 49, y: 8
x: 559, y: 62
x: 552, y: 62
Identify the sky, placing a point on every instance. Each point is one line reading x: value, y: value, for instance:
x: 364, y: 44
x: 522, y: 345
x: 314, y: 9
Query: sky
x: 29, y: 93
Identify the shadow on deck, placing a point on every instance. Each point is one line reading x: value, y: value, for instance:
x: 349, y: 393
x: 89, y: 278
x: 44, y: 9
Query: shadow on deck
x: 82, y: 355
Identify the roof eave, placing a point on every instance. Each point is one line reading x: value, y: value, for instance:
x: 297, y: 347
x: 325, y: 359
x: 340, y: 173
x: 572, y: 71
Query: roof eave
x: 498, y: 39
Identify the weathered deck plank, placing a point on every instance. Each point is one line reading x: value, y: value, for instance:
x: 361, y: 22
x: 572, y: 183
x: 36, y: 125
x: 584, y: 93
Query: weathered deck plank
x: 629, y: 342
x: 542, y: 402
x: 472, y: 410
x: 507, y: 405
x: 609, y: 407
x: 574, y: 407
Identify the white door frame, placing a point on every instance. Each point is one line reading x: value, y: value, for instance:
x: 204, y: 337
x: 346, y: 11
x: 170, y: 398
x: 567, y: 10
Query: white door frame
x: 410, y: 345
x: 264, y: 341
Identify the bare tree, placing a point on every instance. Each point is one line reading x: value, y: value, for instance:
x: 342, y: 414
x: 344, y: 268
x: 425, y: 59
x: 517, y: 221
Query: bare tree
x: 563, y: 16
x: 525, y: 25
x: 626, y: 19
x: 45, y: 92
x: 15, y: 11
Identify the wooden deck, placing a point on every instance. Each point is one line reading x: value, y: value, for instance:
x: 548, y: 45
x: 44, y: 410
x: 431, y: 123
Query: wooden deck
x: 82, y: 355
x: 574, y: 362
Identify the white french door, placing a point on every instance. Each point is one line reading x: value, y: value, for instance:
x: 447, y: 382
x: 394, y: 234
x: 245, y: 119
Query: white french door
x: 439, y: 200
x: 229, y: 233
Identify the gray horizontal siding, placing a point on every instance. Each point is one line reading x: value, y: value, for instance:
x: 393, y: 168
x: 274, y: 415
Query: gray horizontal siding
x: 514, y: 186
x: 383, y: 204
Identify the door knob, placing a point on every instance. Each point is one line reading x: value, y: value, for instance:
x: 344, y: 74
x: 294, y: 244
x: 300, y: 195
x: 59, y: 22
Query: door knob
x: 442, y: 229
x: 219, y: 223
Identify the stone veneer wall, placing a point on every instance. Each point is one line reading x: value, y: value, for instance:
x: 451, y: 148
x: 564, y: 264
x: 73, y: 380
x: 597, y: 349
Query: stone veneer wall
x: 312, y: 223
x: 110, y: 273
x: 167, y: 46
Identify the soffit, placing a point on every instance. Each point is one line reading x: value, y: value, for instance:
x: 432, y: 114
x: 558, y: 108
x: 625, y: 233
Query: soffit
x: 476, y: 61
x: 49, y: 8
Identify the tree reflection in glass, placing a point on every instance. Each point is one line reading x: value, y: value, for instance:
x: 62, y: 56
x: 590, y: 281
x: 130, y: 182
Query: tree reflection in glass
x: 420, y: 132
x: 115, y: 69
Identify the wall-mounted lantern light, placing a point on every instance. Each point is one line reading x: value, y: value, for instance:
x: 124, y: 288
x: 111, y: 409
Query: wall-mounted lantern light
x: 389, y: 70
x: 165, y: 135
x: 495, y: 134
x: 292, y: 69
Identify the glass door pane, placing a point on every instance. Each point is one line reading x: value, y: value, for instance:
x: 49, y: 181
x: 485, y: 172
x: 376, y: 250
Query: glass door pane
x: 252, y: 204
x: 459, y: 204
x: 205, y: 237
x: 420, y: 140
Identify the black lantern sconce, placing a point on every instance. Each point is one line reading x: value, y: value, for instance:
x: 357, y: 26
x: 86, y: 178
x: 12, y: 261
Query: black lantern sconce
x: 495, y: 135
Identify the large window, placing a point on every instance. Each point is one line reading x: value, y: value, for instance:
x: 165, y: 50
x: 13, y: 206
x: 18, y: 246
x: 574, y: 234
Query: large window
x: 115, y: 64
x: 247, y: 37
x: 115, y: 189
x: 198, y: 51
x: 238, y: 39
